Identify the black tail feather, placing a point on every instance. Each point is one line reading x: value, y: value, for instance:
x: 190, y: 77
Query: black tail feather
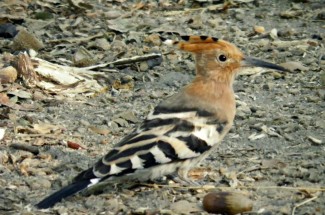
x: 69, y: 190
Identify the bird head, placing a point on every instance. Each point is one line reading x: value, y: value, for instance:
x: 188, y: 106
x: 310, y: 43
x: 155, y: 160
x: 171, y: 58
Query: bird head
x: 216, y: 58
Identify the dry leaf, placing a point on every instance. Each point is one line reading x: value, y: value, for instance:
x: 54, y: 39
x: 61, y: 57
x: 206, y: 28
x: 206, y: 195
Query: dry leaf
x: 4, y: 100
x: 39, y: 142
x: 270, y: 131
x: 103, y: 131
x: 83, y: 58
x: 80, y: 4
x: 256, y: 136
x: 21, y: 94
x: 293, y: 65
x: 25, y: 40
x: 274, y: 163
x: 24, y: 130
x: 119, y: 85
x: 44, y: 128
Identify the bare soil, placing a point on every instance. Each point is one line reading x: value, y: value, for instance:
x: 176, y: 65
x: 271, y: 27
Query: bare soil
x: 275, y: 152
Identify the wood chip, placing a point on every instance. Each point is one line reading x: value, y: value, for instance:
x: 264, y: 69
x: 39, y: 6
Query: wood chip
x: 74, y: 145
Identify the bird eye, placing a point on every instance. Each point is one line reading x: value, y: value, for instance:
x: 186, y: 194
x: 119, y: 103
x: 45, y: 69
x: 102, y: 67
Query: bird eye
x: 222, y: 58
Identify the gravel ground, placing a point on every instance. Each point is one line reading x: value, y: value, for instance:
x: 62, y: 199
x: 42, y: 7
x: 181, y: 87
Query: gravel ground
x: 275, y: 152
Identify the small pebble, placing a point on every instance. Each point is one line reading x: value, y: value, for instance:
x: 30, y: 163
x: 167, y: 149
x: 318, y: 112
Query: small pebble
x: 259, y: 29
x: 8, y: 75
x: 143, y: 66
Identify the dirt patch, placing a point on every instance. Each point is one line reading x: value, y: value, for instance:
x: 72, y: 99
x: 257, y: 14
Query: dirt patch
x: 274, y: 153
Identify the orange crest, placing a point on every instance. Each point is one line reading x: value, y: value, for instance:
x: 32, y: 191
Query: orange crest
x: 201, y: 44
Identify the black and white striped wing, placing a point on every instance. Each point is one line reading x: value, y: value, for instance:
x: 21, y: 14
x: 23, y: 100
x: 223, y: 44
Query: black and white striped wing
x: 162, y: 138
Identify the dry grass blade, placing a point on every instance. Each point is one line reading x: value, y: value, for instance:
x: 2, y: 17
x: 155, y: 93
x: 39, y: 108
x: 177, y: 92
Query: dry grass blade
x: 239, y: 187
x: 302, y: 203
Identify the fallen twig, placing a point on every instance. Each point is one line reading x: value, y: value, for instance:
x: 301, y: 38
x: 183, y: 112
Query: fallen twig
x: 24, y: 147
x: 76, y: 39
x: 302, y: 203
x: 53, y: 136
x: 123, y: 61
x: 239, y: 187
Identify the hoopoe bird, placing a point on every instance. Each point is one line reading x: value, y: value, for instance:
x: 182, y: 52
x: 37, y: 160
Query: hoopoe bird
x: 183, y: 129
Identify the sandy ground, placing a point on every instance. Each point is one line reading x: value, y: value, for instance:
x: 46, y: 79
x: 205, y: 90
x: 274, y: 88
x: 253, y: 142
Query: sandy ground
x: 274, y: 153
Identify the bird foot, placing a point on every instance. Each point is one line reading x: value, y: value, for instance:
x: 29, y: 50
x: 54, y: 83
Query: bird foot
x: 183, y: 180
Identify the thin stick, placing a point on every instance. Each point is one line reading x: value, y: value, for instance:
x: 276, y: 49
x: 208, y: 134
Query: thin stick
x: 25, y: 147
x: 286, y: 188
x: 126, y: 60
x: 76, y: 39
x: 241, y: 187
x: 53, y: 136
x: 302, y: 203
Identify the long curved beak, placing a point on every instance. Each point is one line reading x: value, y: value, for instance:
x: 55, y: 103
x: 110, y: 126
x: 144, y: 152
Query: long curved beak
x: 250, y: 61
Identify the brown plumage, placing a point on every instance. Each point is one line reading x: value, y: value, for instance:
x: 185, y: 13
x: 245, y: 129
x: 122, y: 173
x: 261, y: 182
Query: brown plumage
x: 212, y: 86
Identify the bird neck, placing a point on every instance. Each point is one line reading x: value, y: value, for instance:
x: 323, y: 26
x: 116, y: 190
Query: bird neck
x: 217, y: 96
x: 220, y: 77
x: 215, y: 84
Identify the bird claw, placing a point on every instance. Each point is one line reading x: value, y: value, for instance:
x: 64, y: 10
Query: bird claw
x: 183, y: 180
